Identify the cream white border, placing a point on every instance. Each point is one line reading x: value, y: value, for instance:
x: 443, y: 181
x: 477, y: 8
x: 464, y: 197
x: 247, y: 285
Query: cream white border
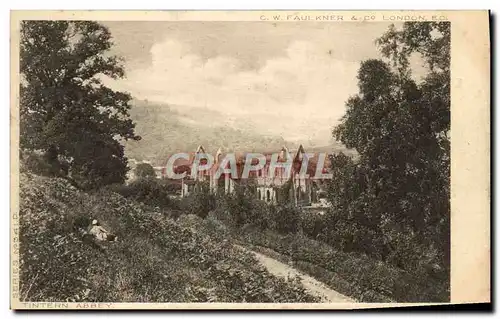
x: 470, y: 136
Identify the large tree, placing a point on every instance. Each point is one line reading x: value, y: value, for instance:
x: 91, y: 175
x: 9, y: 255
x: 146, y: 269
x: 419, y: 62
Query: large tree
x: 399, y: 195
x: 65, y: 110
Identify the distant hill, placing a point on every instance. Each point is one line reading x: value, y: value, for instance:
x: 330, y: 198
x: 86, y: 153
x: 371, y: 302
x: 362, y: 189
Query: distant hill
x: 167, y: 129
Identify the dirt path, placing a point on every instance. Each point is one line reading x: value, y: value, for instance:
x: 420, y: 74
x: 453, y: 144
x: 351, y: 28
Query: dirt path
x: 312, y: 285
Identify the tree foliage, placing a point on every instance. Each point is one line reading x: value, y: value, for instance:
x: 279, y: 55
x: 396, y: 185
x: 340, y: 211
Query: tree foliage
x: 394, y: 200
x: 144, y: 170
x: 65, y: 109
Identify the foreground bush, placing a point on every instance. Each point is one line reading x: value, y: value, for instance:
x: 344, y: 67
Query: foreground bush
x: 242, y: 208
x: 41, y: 164
x: 155, y: 259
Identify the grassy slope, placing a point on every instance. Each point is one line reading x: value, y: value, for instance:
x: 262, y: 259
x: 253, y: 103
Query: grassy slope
x: 155, y: 259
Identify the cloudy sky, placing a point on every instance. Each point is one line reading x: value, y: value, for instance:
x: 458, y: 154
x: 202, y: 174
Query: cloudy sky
x: 282, y: 79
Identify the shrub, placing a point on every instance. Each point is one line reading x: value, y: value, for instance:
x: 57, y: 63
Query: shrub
x: 242, y: 208
x: 146, y: 190
x: 199, y: 202
x: 144, y: 170
x: 313, y: 224
x: 286, y: 219
x: 39, y: 164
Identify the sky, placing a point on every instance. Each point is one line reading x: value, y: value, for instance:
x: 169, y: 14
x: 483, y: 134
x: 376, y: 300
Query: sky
x: 286, y: 79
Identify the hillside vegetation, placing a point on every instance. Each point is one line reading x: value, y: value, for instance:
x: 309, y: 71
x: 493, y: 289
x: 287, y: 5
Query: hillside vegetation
x: 154, y: 260
x: 293, y: 235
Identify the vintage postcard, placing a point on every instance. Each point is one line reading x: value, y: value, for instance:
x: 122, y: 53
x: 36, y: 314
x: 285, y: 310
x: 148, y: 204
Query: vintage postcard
x: 249, y: 160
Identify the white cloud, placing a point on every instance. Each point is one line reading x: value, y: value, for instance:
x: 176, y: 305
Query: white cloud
x: 299, y: 95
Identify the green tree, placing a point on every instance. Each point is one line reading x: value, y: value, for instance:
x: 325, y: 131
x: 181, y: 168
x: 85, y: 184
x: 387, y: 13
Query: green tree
x: 65, y: 109
x: 144, y: 170
x: 400, y: 129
